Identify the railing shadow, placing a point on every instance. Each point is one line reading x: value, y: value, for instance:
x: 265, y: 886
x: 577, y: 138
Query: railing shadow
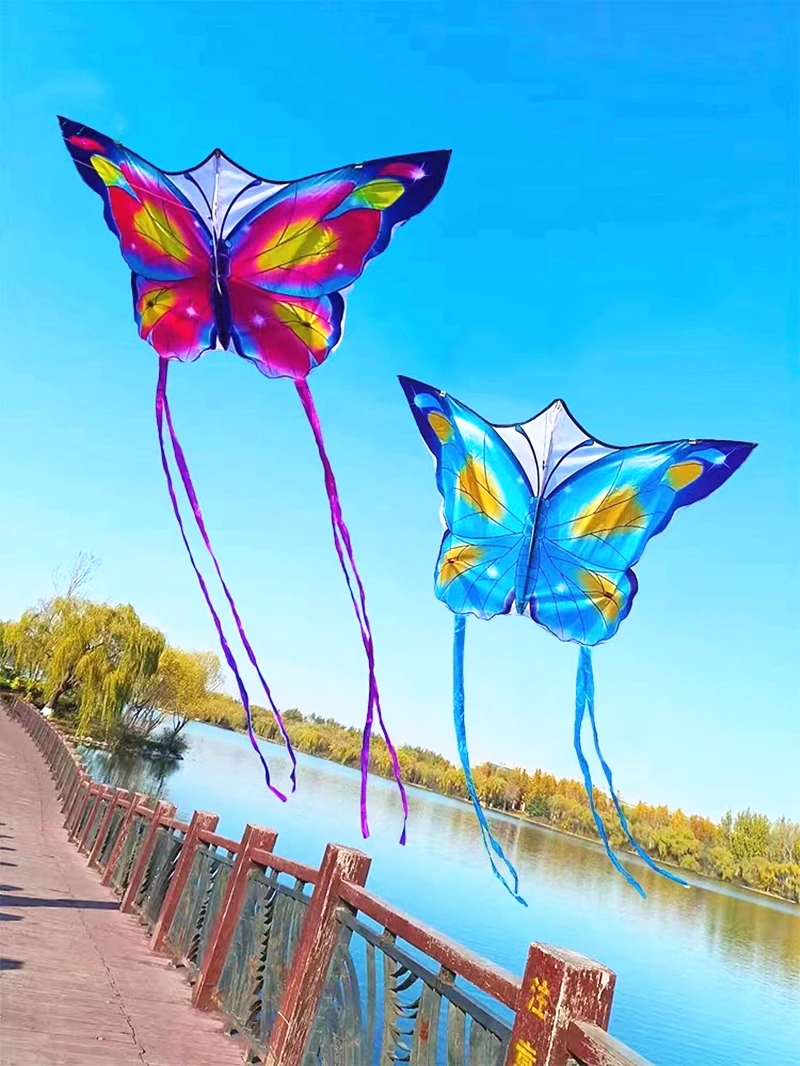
x: 69, y: 904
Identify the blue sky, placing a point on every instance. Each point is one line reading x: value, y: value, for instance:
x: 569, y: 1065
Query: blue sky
x: 619, y: 227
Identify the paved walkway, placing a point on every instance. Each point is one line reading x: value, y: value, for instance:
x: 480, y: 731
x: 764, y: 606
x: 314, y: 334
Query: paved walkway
x: 78, y: 985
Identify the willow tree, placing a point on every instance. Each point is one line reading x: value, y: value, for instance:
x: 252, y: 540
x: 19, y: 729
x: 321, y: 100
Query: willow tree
x: 98, y: 651
x: 105, y: 652
x: 28, y: 642
x: 6, y: 658
x: 180, y: 689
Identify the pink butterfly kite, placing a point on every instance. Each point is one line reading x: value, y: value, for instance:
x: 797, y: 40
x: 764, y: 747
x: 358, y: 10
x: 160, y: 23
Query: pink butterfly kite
x: 223, y: 260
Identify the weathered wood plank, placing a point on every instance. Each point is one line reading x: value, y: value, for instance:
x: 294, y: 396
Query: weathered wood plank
x: 592, y: 1046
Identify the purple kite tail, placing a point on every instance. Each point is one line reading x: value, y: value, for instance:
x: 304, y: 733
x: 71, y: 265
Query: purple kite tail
x: 186, y: 478
x: 161, y: 406
x: 343, y: 545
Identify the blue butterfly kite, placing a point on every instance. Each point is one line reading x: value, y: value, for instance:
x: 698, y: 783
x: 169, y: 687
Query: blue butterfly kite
x: 543, y: 520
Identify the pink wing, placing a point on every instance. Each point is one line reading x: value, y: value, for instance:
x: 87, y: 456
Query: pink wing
x: 293, y: 248
x: 285, y: 336
x: 162, y: 239
x: 176, y: 317
x: 294, y: 253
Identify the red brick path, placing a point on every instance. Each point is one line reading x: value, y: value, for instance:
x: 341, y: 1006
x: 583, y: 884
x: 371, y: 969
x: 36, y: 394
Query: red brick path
x: 78, y: 984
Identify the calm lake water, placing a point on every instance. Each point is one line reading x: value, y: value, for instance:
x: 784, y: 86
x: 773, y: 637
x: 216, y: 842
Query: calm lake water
x: 705, y: 977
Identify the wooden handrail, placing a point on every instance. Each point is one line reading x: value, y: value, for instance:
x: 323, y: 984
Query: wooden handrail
x: 173, y: 823
x: 592, y: 1046
x: 217, y: 841
x: 282, y: 865
x: 495, y: 980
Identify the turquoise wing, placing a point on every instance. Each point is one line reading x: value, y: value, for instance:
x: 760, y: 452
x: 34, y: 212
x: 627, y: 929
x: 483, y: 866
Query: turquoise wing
x: 488, y: 503
x: 594, y: 526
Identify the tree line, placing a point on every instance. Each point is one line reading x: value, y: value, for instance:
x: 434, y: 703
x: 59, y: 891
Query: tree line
x: 115, y: 681
x: 745, y: 848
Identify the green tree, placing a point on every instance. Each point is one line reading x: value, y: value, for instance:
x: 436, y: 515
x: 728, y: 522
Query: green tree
x: 178, y: 690
x: 95, y: 652
x: 723, y: 864
x: 749, y: 837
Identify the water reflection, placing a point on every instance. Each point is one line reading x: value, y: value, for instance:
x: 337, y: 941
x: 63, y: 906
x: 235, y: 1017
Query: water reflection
x: 708, y: 976
x: 130, y: 771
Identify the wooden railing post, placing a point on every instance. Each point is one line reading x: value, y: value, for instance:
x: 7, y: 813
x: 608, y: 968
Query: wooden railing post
x: 65, y: 764
x: 47, y: 745
x: 136, y: 799
x: 85, y: 798
x: 115, y: 795
x: 201, y: 820
x: 60, y: 765
x: 52, y: 746
x: 69, y: 796
x: 308, y: 974
x: 71, y: 771
x: 161, y: 810
x: 68, y: 790
x: 559, y: 987
x: 254, y: 838
x: 72, y: 802
x: 102, y: 791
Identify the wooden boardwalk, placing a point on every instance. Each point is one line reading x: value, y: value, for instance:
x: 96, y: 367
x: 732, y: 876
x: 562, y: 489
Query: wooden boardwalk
x: 85, y: 982
x: 78, y: 984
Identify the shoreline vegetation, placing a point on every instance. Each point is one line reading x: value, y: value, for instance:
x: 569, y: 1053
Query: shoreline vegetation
x: 745, y: 849
x: 114, y: 682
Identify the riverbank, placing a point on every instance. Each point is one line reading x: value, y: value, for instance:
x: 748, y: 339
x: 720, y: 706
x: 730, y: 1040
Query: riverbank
x: 740, y: 851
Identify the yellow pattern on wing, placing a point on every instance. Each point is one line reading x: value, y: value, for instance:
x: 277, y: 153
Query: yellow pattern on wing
x: 108, y: 173
x: 155, y: 226
x: 613, y: 512
x: 476, y: 483
x: 306, y: 324
x: 302, y: 241
x: 154, y: 304
x: 441, y: 426
x: 602, y: 592
x: 682, y: 474
x: 379, y: 194
x: 456, y: 561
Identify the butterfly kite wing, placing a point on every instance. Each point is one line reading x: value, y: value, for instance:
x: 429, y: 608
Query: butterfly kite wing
x: 292, y: 255
x: 594, y: 527
x: 487, y: 506
x: 591, y: 531
x: 487, y: 501
x: 162, y: 238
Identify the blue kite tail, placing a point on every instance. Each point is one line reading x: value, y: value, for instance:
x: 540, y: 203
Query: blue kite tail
x: 583, y: 686
x: 585, y: 667
x: 489, y: 841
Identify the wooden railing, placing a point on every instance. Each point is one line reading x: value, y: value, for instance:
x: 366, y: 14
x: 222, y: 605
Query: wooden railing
x: 306, y: 964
